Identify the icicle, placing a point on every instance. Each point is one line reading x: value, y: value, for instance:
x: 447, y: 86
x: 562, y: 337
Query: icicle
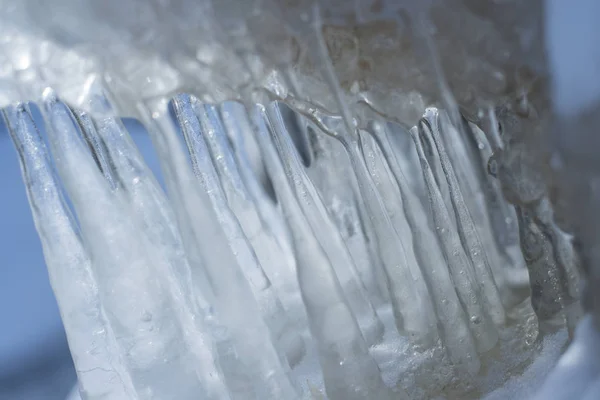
x: 97, y: 357
x: 250, y: 363
x: 262, y: 224
x: 456, y: 336
x: 493, y: 216
x: 268, y: 251
x: 463, y: 148
x: 503, y: 216
x: 461, y: 270
x: 513, y: 281
x: 497, y: 212
x: 199, y: 125
x: 97, y: 146
x: 240, y: 132
x: 465, y: 154
x: 137, y: 304
x: 238, y: 196
x: 411, y: 304
x: 340, y: 193
x: 466, y: 228
x: 391, y: 197
x: 348, y: 369
x: 156, y: 220
x: 407, y: 160
x: 204, y: 169
x: 326, y: 231
x: 410, y: 299
x: 434, y: 161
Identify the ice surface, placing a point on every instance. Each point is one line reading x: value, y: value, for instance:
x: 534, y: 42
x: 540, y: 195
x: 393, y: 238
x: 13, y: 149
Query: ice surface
x: 203, y: 313
x: 348, y: 369
x: 200, y: 124
x: 463, y: 276
x: 309, y: 252
x: 466, y: 228
x: 326, y: 232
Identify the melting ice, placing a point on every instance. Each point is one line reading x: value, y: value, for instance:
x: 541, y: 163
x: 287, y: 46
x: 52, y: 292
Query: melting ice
x: 337, y: 264
x: 382, y: 250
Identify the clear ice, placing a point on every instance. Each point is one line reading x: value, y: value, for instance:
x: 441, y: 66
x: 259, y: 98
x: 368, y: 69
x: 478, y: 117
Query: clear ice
x: 361, y: 200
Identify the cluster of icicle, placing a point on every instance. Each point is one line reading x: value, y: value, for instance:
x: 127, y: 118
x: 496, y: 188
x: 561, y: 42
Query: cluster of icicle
x: 366, y: 253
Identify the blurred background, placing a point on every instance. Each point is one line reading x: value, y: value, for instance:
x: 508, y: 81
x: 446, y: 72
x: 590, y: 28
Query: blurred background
x: 35, y: 363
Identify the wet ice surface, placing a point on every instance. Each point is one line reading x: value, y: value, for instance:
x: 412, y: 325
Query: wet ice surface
x: 396, y: 363
x: 368, y: 237
x: 182, y: 287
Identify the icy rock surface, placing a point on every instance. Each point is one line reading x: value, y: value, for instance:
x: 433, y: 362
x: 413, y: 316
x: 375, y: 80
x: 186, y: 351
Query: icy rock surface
x: 317, y: 249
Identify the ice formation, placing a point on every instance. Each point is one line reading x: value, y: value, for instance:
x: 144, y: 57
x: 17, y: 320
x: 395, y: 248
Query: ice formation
x: 361, y: 198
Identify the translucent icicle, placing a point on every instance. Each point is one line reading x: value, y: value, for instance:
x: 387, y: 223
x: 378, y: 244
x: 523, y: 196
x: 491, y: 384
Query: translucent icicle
x: 128, y: 172
x: 469, y: 173
x: 326, y: 231
x: 461, y: 270
x: 438, y: 173
x: 456, y: 335
x: 137, y: 304
x: 494, y: 217
x: 349, y: 371
x: 413, y: 311
x: 466, y: 228
x: 240, y: 132
x: 157, y: 222
x: 249, y: 360
x: 238, y: 196
x: 477, y: 150
x: 463, y: 149
x: 512, y: 280
x: 96, y: 354
x: 405, y: 156
x: 200, y: 126
x: 97, y: 146
x: 339, y: 192
x: 391, y: 197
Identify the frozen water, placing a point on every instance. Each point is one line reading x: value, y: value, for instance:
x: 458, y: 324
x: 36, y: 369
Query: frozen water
x: 201, y: 294
x: 312, y: 249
